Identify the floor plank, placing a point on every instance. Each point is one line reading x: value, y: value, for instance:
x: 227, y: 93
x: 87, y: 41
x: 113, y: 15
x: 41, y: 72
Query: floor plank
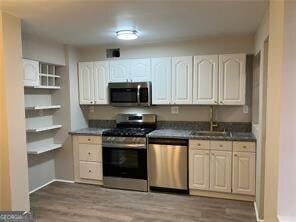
x: 79, y: 202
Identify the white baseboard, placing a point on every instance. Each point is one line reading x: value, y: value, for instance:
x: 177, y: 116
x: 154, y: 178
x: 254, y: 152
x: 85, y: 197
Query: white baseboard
x: 38, y: 188
x: 54, y: 180
x: 64, y: 181
x: 286, y: 219
x: 257, y: 214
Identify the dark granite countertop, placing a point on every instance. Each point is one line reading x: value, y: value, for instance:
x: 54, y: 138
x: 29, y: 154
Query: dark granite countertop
x: 175, y: 134
x: 187, y: 134
x: 170, y: 133
x: 88, y: 131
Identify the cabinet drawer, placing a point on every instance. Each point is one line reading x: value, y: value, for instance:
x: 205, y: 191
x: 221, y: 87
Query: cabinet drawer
x: 244, y: 147
x: 89, y: 170
x: 90, y: 152
x: 221, y: 145
x: 199, y: 144
x: 90, y: 139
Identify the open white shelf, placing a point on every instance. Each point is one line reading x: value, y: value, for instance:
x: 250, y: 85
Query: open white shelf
x: 43, y: 107
x: 49, y: 75
x: 46, y: 87
x: 42, y: 149
x: 42, y: 129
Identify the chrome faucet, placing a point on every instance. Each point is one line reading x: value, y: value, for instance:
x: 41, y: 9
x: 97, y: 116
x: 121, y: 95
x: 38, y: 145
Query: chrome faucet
x: 212, y: 122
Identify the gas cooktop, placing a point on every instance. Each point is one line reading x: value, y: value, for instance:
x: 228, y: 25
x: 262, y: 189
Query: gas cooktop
x: 132, y: 125
x: 128, y: 132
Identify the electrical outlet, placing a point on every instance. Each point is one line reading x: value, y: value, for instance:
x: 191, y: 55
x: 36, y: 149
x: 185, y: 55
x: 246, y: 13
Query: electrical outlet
x: 91, y: 109
x: 175, y: 109
x: 246, y: 109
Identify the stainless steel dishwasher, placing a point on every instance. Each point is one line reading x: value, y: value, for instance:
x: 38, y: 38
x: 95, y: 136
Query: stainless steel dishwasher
x: 168, y: 168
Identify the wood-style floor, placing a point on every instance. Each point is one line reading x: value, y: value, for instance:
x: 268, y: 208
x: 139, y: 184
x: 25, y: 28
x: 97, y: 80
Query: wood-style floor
x: 79, y: 202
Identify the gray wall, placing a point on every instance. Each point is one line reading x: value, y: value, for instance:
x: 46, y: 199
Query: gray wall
x: 241, y: 44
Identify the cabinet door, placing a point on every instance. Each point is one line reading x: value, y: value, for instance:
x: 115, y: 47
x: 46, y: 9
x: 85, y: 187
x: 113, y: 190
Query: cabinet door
x: 31, y: 72
x: 205, y: 80
x: 161, y: 80
x: 182, y: 80
x: 86, y: 90
x: 243, y: 178
x: 199, y: 169
x: 101, y: 78
x: 120, y: 71
x: 140, y: 70
x: 220, y: 171
x: 232, y: 79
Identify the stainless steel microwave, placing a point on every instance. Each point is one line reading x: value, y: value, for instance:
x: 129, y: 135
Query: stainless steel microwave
x: 130, y: 93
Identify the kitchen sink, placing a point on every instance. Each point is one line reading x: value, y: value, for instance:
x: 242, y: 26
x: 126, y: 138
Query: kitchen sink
x: 211, y: 133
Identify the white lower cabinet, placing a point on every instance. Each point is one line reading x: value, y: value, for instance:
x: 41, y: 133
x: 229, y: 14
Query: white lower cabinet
x: 199, y: 175
x: 88, y: 159
x: 220, y: 171
x: 244, y: 171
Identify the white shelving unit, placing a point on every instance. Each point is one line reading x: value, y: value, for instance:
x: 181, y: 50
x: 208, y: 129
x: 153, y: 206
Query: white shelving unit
x: 36, y: 150
x: 41, y: 80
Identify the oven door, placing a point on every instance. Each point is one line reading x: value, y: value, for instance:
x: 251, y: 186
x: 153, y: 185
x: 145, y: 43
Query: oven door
x: 130, y: 94
x: 125, y: 162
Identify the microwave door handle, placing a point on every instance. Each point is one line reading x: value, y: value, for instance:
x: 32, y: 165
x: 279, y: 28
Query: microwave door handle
x: 138, y: 94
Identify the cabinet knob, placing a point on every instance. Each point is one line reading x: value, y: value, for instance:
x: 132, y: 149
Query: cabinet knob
x: 216, y: 102
x: 88, y: 153
x: 235, y: 154
x: 221, y: 102
x: 91, y: 102
x: 244, y: 147
x: 198, y: 144
x: 89, y: 171
x: 221, y: 145
x: 88, y: 139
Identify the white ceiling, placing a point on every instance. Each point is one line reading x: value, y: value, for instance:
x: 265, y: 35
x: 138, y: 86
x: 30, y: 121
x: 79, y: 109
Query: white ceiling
x: 95, y: 22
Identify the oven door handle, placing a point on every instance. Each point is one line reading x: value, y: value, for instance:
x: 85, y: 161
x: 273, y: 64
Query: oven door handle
x: 138, y: 94
x: 128, y: 146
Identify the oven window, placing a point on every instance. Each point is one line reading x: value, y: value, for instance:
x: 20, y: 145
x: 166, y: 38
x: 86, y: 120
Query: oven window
x: 128, y: 163
x: 126, y: 95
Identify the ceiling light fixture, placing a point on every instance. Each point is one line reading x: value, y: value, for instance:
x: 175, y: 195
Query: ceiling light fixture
x: 127, y: 34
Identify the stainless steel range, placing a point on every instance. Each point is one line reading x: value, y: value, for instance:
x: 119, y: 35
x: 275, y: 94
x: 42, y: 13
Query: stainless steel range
x: 125, y: 152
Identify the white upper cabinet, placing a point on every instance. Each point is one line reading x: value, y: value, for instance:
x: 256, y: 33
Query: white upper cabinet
x: 232, y: 79
x: 199, y: 169
x: 161, y: 80
x: 220, y: 171
x: 101, y: 79
x: 31, y: 72
x: 182, y: 80
x: 86, y: 83
x: 205, y: 80
x: 130, y: 70
x: 119, y: 70
x: 140, y: 70
x: 244, y: 173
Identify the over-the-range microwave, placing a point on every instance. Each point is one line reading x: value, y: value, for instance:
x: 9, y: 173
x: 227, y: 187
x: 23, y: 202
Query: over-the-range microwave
x: 130, y: 93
